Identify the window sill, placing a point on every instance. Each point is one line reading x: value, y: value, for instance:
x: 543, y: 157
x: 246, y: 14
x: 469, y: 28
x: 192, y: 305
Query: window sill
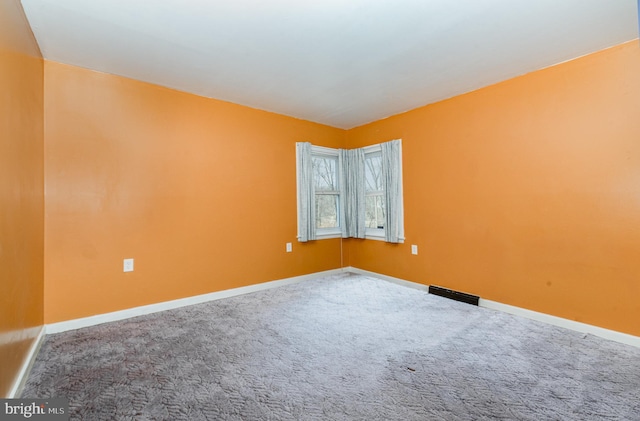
x: 378, y: 235
x: 323, y: 234
x: 374, y: 234
x: 329, y: 234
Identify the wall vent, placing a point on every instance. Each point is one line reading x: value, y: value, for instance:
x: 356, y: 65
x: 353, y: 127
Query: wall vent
x: 454, y: 295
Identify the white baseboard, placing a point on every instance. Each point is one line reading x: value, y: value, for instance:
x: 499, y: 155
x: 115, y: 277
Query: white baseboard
x: 25, y: 368
x: 182, y: 302
x: 522, y: 312
x: 398, y: 281
x: 561, y: 322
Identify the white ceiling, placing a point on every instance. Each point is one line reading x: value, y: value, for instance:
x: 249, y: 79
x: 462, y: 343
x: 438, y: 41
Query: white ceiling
x: 339, y: 62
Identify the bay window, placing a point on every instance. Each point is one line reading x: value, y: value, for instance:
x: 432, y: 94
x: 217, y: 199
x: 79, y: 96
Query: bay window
x: 350, y: 193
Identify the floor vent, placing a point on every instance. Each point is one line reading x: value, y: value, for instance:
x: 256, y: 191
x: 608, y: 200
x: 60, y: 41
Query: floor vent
x: 454, y: 295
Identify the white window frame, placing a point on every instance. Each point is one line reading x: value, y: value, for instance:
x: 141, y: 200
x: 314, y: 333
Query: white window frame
x: 335, y: 232
x: 373, y: 233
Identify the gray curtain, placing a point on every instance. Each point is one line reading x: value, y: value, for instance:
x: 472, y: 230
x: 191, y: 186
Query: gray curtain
x: 306, y: 193
x: 392, y: 179
x: 342, y: 212
x: 354, y: 197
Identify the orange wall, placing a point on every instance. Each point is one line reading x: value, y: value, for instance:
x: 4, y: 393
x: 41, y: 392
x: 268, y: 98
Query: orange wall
x: 21, y: 191
x: 526, y: 192
x: 200, y: 192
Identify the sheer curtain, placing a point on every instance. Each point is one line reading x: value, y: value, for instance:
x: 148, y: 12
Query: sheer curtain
x: 306, y: 193
x: 353, y: 188
x: 392, y: 180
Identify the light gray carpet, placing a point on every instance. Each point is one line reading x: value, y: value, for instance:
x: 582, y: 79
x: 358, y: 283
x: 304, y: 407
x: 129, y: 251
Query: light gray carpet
x: 341, y: 348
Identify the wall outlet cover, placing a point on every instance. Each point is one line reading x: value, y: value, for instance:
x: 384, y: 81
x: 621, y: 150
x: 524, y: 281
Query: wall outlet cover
x: 128, y: 265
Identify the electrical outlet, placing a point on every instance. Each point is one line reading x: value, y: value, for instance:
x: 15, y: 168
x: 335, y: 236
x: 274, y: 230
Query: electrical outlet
x: 289, y: 248
x: 128, y: 265
x: 414, y: 249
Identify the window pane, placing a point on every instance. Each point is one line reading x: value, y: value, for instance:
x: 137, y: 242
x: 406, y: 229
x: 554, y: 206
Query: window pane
x: 325, y: 175
x: 373, y: 172
x: 374, y: 216
x: 326, y: 211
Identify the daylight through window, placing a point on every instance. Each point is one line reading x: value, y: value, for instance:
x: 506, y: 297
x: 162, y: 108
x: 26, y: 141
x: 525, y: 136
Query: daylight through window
x: 374, y: 192
x: 327, y: 190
